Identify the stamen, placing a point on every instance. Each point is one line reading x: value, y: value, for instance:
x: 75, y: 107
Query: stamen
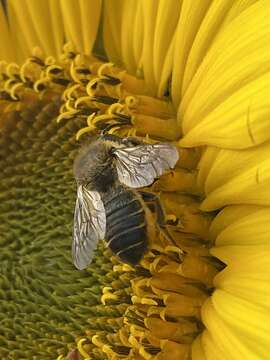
x: 81, y: 349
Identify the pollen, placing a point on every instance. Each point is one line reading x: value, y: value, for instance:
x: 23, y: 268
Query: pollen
x: 111, y: 310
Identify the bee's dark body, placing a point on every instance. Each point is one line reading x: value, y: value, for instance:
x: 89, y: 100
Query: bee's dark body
x: 108, y: 207
x: 126, y: 231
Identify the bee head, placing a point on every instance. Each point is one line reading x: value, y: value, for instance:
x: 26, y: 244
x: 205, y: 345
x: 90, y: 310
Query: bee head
x: 94, y: 166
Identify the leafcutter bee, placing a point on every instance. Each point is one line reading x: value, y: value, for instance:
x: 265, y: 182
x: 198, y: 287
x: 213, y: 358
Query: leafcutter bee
x: 109, y: 207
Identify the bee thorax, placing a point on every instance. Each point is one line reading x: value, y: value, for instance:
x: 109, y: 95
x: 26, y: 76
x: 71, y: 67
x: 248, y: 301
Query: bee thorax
x: 94, y: 167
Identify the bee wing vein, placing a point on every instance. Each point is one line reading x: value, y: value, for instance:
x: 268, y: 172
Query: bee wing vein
x: 89, y: 226
x: 138, y: 166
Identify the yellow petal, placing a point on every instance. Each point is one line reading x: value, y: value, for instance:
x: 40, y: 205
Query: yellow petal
x: 81, y: 20
x: 205, y: 36
x: 237, y: 324
x: 192, y: 13
x: 232, y: 84
x: 230, y: 254
x: 112, y: 23
x: 248, y: 278
x: 243, y: 178
x: 230, y: 215
x: 212, y: 349
x: 21, y: 19
x: 41, y: 23
x: 129, y: 13
x: 197, y: 350
x: 6, y: 50
x: 252, y: 229
x: 228, y: 165
x: 219, y: 340
x: 90, y: 15
x: 18, y: 42
x: 219, y: 14
x: 166, y: 69
x: 149, y: 10
x: 57, y: 27
x: 166, y: 22
x: 205, y: 164
x: 240, y: 120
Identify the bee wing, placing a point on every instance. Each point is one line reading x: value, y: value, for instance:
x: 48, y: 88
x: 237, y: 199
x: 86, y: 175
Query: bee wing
x: 89, y: 226
x: 138, y: 166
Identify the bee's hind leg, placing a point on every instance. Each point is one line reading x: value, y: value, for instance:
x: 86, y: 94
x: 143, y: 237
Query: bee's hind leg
x: 153, y: 203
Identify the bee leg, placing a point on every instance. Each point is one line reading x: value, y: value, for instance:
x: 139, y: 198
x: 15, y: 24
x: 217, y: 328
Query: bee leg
x: 153, y: 202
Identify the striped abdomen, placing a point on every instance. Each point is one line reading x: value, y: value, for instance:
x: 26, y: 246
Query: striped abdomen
x: 126, y: 232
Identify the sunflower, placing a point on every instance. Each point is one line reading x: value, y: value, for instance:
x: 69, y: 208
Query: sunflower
x: 194, y: 73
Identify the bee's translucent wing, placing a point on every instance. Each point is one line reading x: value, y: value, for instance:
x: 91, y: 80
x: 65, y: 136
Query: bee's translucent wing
x: 89, y: 226
x: 138, y: 166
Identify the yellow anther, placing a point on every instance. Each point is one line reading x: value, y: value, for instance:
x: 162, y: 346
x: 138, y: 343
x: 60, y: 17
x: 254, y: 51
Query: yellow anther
x: 70, y: 105
x: 96, y: 341
x: 68, y: 47
x: 50, y: 60
x: 144, y: 353
x: 73, y: 73
x: 131, y: 101
x: 50, y: 68
x: 66, y: 115
x: 137, y: 331
x: 171, y: 217
x: 108, y: 296
x: 81, y: 349
x: 148, y: 301
x: 69, y: 91
x: 108, y: 350
x: 82, y: 99
x: 60, y: 357
x: 106, y: 289
x: 114, y: 130
x: 92, y: 86
x: 12, y: 68
x: 127, y: 267
x: 115, y: 108
x: 155, y: 263
x: 23, y: 69
x: 90, y: 119
x: 37, y: 52
x: 62, y: 109
x: 103, y: 67
x: 103, y: 117
x: 9, y: 83
x: 41, y: 82
x: 133, y: 341
x: 84, y: 131
x: 162, y: 314
x: 78, y: 59
x: 174, y: 249
x: 117, y: 268
x: 13, y: 90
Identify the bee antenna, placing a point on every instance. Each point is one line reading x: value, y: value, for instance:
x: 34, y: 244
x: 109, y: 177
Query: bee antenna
x: 107, y: 128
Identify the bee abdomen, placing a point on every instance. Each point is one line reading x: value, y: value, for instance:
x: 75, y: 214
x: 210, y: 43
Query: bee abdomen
x: 126, y: 233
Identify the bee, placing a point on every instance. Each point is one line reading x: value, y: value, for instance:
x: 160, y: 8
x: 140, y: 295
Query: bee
x: 110, y: 205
